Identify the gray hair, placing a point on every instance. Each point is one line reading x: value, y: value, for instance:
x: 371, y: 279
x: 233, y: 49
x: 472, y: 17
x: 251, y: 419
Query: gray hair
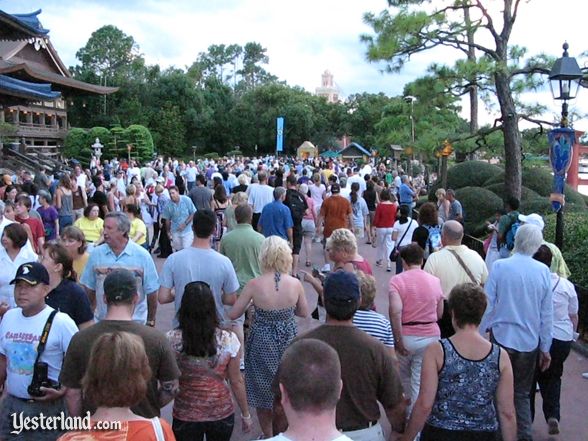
x: 452, y: 232
x: 122, y: 221
x: 279, y: 192
x: 528, y: 239
x: 303, y: 189
x: 45, y: 195
x: 343, y: 181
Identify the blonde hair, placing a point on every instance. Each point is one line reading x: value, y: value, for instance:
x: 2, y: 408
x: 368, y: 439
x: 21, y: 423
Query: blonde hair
x: 275, y: 255
x: 243, y: 179
x: 239, y: 198
x: 118, y: 371
x: 367, y: 285
x: 343, y: 240
x: 131, y: 190
x: 440, y: 193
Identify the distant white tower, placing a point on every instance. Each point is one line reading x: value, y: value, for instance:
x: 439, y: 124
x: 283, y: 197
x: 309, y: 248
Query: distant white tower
x: 328, y: 88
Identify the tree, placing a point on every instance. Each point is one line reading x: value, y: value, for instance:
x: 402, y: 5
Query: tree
x: 140, y: 141
x: 77, y: 145
x: 169, y: 131
x: 411, y: 31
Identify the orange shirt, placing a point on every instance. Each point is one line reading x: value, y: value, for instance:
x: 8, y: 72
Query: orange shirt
x: 137, y: 430
x: 335, y: 211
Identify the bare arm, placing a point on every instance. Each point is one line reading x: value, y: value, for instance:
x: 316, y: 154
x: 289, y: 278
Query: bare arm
x: 242, y: 302
x: 151, y: 306
x: 395, y: 312
x: 302, y: 304
x: 73, y: 401
x: 238, y: 388
x: 505, y: 399
x: 165, y: 295
x: 2, y: 370
x: 167, y: 391
x: 91, y: 297
x: 440, y: 307
x: 229, y: 298
x: 58, y: 199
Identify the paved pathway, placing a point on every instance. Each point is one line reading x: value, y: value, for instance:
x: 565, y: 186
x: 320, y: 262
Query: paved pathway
x: 574, y: 401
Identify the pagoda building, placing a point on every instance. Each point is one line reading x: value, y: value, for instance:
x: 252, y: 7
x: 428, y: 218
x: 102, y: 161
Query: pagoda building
x: 328, y: 89
x: 35, y: 85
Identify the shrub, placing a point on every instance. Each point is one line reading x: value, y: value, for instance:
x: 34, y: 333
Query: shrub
x: 235, y: 153
x: 142, y: 143
x: 471, y: 174
x: 212, y: 155
x: 575, y: 243
x: 77, y: 146
x: 499, y: 190
x: 479, y: 205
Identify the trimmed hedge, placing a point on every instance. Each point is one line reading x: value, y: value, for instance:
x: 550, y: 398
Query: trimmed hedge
x: 499, y: 190
x: 479, y: 205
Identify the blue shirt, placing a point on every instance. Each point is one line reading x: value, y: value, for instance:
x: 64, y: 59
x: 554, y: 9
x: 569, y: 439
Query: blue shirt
x: 134, y: 258
x: 178, y: 212
x: 520, y: 305
x: 275, y: 220
x: 406, y: 194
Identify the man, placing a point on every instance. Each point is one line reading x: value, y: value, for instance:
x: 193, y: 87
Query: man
x: 406, y: 194
x: 22, y: 209
x: 41, y: 180
x: 507, y: 226
x: 21, y: 339
x: 199, y: 262
x: 276, y: 218
x: 201, y: 195
x: 345, y: 189
x: 519, y: 317
x: 118, y: 251
x: 335, y: 213
x: 121, y: 296
x: 355, y: 177
x: 558, y: 264
x: 81, y: 178
x: 190, y: 174
x: 367, y: 367
x: 455, y: 209
x: 309, y: 402
x: 178, y: 214
x: 454, y: 264
x: 260, y: 194
x: 296, y: 202
x: 397, y: 182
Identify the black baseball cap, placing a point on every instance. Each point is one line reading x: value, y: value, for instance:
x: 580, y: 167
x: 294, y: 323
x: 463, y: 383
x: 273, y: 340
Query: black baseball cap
x: 33, y: 273
x: 341, y: 287
x: 120, y: 285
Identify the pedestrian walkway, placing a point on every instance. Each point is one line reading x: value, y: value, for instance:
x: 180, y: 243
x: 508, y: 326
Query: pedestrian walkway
x: 574, y: 394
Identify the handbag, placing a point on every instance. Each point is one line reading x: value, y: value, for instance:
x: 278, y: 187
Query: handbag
x: 395, y: 253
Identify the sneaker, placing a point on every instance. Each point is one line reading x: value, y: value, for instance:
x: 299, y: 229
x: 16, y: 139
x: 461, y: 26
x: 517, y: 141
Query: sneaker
x: 326, y: 268
x: 389, y: 269
x: 553, y: 426
x: 585, y: 375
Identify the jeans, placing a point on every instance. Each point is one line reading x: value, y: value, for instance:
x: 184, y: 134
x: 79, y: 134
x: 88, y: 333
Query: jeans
x: 220, y: 430
x: 550, y: 380
x: 65, y: 221
x: 410, y: 365
x: 523, y: 369
x: 385, y: 244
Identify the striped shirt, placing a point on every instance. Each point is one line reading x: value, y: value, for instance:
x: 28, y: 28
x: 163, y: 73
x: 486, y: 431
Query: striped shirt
x: 376, y: 325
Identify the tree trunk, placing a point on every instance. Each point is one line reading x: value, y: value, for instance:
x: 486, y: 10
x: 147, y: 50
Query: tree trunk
x: 512, y: 137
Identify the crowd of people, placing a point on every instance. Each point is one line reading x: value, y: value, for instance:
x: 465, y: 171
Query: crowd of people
x: 457, y: 357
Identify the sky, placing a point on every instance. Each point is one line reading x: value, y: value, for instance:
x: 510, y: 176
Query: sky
x: 303, y: 38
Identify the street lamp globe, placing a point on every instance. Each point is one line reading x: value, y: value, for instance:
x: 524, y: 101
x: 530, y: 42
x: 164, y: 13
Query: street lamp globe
x: 564, y: 79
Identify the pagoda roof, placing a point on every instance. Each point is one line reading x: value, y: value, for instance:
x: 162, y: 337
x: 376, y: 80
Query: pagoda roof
x: 25, y: 90
x: 22, y: 25
x: 59, y: 82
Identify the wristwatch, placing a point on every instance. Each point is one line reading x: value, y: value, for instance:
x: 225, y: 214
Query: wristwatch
x: 150, y: 323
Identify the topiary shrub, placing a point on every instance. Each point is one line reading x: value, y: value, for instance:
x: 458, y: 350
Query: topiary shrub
x: 479, y: 205
x: 538, y: 205
x: 471, y: 174
x: 212, y: 155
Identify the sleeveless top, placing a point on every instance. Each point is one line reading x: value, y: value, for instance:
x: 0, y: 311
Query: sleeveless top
x: 78, y: 199
x: 66, y: 205
x: 466, y: 391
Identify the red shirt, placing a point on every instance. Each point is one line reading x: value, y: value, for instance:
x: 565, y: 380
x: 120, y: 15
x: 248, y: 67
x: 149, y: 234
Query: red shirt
x: 37, y: 230
x: 385, y: 215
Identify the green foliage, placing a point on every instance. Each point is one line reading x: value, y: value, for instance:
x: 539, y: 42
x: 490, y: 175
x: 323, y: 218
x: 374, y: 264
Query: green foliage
x: 234, y: 153
x: 77, y: 146
x: 170, y: 130
x: 575, y: 243
x: 212, y: 155
x: 141, y: 142
x: 500, y: 190
x: 479, y: 205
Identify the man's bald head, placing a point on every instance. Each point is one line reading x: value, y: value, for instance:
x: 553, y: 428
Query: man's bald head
x: 452, y: 233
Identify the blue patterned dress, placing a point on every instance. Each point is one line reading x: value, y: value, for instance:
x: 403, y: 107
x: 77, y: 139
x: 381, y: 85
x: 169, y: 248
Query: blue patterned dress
x: 270, y: 334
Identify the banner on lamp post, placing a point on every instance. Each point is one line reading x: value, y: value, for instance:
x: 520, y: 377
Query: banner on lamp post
x: 561, y: 145
x: 279, y: 133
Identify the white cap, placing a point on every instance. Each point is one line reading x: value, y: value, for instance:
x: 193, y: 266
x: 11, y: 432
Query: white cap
x: 533, y: 219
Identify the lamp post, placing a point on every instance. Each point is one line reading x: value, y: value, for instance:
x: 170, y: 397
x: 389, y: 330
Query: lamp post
x: 194, y: 147
x: 564, y: 80
x: 411, y: 99
x: 97, y: 150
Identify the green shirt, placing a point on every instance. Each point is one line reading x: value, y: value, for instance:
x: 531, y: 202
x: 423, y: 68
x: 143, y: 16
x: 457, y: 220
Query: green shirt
x: 242, y: 246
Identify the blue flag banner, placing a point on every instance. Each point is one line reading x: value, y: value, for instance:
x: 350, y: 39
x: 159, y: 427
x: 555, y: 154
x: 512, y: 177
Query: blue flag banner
x: 561, y: 144
x: 279, y: 133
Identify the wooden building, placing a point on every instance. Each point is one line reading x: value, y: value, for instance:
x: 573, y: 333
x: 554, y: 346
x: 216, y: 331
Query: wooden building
x: 354, y: 151
x: 35, y: 84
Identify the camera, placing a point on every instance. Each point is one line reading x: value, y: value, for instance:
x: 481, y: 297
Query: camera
x: 40, y: 379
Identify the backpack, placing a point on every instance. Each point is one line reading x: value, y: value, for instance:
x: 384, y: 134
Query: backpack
x: 433, y: 241
x: 297, y: 204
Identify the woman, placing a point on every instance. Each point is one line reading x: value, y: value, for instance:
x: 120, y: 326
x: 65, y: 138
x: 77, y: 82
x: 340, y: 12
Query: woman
x: 442, y: 205
x: 467, y: 382
x: 308, y: 224
x: 138, y: 231
x: 428, y: 233
x: 277, y: 297
x: 100, y: 197
x: 64, y: 201
x: 243, y: 181
x: 360, y: 211
x: 565, y: 321
x: 10, y: 193
x: 342, y: 250
x: 402, y: 233
x: 384, y: 222
x: 116, y: 379
x: 220, y: 202
x: 371, y: 199
x: 65, y: 294
x: 207, y: 355
x: 317, y: 192
x: 237, y: 199
x: 49, y: 216
x: 13, y: 253
x: 75, y: 242
x: 91, y: 225
x: 416, y: 303
x: 79, y: 198
x: 113, y: 197
x: 130, y: 196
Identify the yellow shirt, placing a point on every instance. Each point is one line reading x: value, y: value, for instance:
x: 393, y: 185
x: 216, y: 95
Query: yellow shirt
x: 138, y: 226
x: 79, y: 264
x: 92, y: 229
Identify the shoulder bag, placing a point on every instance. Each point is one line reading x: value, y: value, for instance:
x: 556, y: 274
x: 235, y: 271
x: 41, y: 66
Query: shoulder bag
x: 465, y: 268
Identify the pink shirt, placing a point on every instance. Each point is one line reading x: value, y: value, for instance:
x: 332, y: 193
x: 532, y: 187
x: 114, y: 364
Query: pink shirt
x: 309, y: 213
x: 420, y: 293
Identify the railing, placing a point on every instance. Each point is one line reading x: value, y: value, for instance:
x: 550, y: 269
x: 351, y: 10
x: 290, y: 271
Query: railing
x: 40, y: 130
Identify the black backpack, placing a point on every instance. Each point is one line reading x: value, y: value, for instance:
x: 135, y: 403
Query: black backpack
x: 297, y: 204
